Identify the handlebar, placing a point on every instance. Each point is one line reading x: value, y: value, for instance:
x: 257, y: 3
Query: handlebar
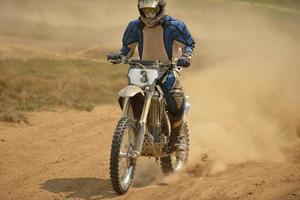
x: 147, y: 63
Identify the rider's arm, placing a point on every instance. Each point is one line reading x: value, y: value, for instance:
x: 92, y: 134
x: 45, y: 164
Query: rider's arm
x: 130, y: 39
x: 180, y: 36
x: 186, y: 39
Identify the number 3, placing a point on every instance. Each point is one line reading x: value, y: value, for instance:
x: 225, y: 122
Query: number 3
x: 144, y: 78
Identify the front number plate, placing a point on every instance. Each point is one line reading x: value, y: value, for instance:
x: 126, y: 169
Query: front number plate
x: 142, y: 77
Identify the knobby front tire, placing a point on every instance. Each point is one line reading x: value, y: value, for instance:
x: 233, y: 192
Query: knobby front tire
x: 122, y: 146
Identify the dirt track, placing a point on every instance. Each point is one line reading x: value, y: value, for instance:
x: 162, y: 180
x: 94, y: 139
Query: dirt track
x: 65, y: 155
x: 244, y: 88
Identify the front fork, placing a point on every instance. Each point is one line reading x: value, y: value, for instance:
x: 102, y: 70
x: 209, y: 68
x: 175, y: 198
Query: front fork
x: 142, y: 126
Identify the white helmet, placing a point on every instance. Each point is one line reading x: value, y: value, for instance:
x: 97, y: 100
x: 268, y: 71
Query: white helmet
x: 151, y: 11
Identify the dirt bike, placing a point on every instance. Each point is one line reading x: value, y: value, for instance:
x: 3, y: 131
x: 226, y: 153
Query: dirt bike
x: 149, y: 134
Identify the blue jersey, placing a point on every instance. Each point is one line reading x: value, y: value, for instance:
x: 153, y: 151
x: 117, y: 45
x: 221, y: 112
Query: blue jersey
x: 173, y: 30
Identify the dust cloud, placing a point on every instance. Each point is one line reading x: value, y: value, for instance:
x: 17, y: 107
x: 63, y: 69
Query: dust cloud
x: 92, y: 13
x: 245, y: 94
x: 62, y: 26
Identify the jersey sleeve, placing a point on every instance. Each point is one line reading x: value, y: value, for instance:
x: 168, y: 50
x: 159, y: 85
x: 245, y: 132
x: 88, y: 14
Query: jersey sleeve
x: 130, y: 39
x: 186, y: 38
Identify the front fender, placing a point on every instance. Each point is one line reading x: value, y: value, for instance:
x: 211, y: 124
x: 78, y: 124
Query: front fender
x: 130, y: 91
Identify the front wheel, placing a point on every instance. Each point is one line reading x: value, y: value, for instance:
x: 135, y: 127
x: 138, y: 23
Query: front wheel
x: 177, y: 160
x: 122, y: 167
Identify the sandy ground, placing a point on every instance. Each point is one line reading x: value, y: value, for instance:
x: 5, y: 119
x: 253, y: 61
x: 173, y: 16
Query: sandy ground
x: 244, y: 88
x: 65, y: 156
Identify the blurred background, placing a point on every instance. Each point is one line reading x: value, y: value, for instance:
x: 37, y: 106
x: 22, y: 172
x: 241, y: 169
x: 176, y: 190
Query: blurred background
x: 58, y: 99
x: 53, y: 52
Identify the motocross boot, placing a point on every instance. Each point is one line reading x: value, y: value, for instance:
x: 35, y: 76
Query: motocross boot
x: 179, y: 143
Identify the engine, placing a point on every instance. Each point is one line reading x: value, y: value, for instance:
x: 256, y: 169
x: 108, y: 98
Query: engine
x: 155, y: 118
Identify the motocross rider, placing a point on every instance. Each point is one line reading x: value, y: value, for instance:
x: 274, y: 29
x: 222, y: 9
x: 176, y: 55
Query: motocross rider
x: 160, y: 37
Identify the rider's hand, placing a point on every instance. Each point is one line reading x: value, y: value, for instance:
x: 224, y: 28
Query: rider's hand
x: 114, y: 58
x: 183, y: 61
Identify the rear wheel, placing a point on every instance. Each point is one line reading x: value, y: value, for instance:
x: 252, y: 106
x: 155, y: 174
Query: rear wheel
x: 177, y: 160
x: 122, y: 167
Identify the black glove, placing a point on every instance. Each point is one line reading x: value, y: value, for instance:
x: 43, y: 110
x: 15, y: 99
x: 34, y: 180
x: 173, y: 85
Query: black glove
x: 114, y: 58
x: 183, y: 61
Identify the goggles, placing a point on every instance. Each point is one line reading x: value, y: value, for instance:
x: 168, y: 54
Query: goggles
x: 151, y: 11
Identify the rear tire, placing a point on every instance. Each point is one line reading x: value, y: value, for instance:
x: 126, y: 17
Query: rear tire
x: 122, y: 182
x: 177, y: 160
